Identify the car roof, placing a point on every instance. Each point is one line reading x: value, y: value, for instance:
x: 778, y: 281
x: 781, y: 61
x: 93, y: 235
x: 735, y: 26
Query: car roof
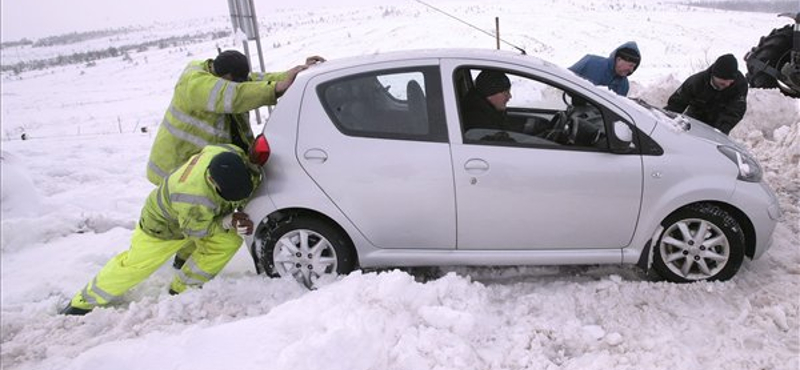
x: 488, y: 55
x: 454, y: 53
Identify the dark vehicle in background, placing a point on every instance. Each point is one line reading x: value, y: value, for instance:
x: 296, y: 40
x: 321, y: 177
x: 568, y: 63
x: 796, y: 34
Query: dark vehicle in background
x: 775, y: 61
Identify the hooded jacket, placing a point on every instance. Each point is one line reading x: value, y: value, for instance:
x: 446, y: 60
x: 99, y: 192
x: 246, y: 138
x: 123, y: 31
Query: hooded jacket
x: 600, y: 70
x: 722, y: 109
x: 206, y: 110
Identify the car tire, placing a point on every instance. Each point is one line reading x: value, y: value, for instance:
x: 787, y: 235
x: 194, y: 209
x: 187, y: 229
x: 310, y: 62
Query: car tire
x: 773, y: 50
x: 306, y: 249
x: 682, y: 256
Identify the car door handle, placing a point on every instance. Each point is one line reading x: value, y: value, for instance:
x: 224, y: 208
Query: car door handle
x: 315, y: 155
x: 476, y: 166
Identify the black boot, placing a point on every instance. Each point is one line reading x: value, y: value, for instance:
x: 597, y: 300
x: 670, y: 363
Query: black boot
x: 75, y: 311
x: 178, y: 262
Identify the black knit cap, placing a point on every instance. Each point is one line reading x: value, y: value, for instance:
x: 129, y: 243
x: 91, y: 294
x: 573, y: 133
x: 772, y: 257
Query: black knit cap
x: 629, y: 54
x: 233, y: 62
x: 231, y: 176
x: 491, y: 82
x: 725, y: 67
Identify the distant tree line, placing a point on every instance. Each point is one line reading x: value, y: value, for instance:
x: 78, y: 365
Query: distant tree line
x: 11, y: 44
x: 68, y: 38
x: 772, y: 6
x: 89, y: 57
x: 76, y: 37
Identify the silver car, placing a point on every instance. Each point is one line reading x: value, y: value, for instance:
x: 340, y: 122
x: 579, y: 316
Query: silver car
x: 370, y: 167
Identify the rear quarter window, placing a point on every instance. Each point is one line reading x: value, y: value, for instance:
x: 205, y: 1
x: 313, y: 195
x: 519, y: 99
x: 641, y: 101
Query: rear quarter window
x: 393, y: 104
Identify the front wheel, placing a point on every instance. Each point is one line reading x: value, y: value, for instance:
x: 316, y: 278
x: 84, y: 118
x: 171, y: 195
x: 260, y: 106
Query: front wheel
x: 307, y: 249
x: 699, y: 242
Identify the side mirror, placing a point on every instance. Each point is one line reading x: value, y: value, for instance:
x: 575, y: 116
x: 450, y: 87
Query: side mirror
x: 623, y: 132
x: 621, y: 139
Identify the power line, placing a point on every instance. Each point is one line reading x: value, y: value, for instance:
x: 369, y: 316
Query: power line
x: 521, y: 50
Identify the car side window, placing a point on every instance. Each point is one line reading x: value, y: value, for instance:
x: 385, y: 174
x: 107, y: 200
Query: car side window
x: 535, y: 113
x: 393, y: 104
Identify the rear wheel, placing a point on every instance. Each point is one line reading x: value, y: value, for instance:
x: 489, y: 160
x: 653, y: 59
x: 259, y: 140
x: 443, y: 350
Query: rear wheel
x: 773, y: 50
x: 699, y: 242
x: 307, y: 249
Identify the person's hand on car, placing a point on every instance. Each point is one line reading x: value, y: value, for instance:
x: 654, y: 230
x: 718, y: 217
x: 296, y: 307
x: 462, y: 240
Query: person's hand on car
x: 315, y: 59
x: 291, y: 74
x: 240, y: 221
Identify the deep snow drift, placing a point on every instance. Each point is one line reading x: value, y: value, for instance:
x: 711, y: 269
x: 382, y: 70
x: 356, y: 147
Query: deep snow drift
x: 72, y: 192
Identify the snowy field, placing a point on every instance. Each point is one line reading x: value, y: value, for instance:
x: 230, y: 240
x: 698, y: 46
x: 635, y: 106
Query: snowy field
x: 72, y: 193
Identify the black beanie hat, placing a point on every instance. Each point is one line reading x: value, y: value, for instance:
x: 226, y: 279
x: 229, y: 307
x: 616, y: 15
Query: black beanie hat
x: 725, y: 67
x: 233, y: 62
x: 492, y: 82
x: 629, y: 54
x: 231, y: 176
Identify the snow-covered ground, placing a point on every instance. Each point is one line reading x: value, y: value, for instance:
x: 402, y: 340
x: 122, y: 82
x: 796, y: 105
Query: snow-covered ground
x: 72, y: 192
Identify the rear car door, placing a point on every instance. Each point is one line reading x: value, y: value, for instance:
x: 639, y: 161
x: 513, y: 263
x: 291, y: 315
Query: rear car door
x: 375, y: 141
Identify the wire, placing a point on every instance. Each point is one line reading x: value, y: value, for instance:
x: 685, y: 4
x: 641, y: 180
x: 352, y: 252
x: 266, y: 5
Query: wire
x: 521, y: 50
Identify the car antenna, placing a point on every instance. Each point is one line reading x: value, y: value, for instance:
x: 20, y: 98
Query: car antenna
x: 521, y: 50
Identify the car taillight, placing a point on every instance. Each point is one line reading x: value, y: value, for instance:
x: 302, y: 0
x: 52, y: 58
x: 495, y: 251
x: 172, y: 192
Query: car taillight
x: 259, y: 152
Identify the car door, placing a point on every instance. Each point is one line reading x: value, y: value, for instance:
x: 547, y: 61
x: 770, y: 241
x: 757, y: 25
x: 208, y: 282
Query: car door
x: 375, y: 141
x: 533, y: 193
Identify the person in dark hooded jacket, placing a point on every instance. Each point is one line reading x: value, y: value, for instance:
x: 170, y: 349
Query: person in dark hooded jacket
x: 612, y: 71
x: 716, y: 96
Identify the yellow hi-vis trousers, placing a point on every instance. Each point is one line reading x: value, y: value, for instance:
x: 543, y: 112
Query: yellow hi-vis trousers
x: 147, y: 254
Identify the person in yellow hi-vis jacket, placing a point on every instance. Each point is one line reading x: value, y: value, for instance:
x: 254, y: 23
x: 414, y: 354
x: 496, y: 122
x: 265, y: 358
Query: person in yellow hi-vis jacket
x: 198, y: 202
x: 210, y: 105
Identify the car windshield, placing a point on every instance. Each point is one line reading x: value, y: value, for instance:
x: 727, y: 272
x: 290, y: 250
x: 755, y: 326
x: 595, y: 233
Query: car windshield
x: 647, y: 105
x: 676, y: 120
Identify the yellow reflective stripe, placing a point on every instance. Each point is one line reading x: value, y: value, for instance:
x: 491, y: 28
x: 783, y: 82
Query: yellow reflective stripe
x: 90, y: 299
x: 157, y: 170
x: 220, y: 124
x: 160, y: 202
x: 193, y: 199
x: 229, y: 147
x: 193, y: 268
x: 185, y: 136
x: 192, y: 68
x: 230, y: 91
x: 199, y: 124
x: 196, y: 233
x: 212, y: 97
x: 187, y: 280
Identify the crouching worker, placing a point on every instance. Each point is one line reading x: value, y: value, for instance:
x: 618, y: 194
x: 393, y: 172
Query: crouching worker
x: 196, y: 203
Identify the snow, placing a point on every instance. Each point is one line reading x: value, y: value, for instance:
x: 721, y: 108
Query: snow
x: 72, y: 192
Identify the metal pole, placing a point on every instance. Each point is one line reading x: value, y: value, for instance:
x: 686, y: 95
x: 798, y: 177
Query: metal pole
x: 258, y: 37
x: 497, y: 31
x: 260, y: 54
x: 247, y: 52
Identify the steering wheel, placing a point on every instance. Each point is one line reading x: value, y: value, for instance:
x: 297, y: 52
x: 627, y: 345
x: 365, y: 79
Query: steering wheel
x: 557, y: 124
x: 562, y: 129
x: 572, y: 128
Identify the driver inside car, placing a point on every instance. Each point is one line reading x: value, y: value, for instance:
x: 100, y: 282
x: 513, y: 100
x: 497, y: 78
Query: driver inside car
x: 484, y: 106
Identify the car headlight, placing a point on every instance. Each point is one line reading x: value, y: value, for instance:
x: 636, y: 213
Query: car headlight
x: 749, y: 169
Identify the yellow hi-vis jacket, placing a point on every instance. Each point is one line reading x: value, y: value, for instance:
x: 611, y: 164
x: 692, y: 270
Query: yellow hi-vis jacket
x: 186, y: 204
x: 202, y: 111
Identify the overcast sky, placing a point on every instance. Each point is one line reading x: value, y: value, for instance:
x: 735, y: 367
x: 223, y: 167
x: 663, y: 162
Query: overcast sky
x: 40, y: 18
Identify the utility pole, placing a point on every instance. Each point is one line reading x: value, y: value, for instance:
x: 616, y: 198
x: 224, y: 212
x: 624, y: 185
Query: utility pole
x: 243, y: 17
x: 497, y: 31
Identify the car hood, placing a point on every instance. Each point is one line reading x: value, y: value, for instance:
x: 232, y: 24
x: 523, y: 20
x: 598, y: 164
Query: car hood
x: 683, y: 124
x: 704, y: 131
